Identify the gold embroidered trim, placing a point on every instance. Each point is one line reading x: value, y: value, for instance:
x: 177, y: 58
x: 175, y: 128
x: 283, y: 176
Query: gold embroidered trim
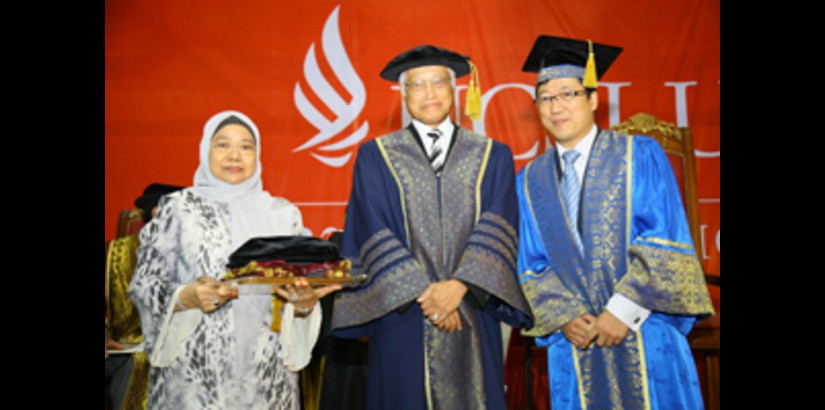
x: 629, y: 185
x: 605, y: 217
x: 661, y: 241
x: 496, y: 277
x: 481, y: 177
x: 552, y: 304
x: 459, y: 200
x: 387, y: 292
x: 579, y: 378
x: 418, y: 183
x: 398, y: 183
x: 529, y: 273
x: 427, y: 383
x: 643, y: 367
x: 666, y: 280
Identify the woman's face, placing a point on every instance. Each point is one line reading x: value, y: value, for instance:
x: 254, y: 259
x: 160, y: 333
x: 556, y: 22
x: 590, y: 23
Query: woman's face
x: 232, y: 154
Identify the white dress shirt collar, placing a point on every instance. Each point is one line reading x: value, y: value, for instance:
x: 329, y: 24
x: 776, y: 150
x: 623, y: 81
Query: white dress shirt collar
x: 584, y: 146
x: 446, y: 127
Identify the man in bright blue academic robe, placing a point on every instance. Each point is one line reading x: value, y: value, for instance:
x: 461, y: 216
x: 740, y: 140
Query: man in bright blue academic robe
x: 432, y: 222
x: 606, y: 260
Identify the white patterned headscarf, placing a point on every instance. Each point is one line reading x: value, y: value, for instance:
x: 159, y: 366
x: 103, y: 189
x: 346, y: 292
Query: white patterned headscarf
x: 250, y: 207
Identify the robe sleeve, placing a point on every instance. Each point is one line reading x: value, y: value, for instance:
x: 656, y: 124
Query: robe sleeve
x: 374, y: 241
x: 664, y: 273
x: 155, y: 287
x: 552, y: 302
x: 488, y: 263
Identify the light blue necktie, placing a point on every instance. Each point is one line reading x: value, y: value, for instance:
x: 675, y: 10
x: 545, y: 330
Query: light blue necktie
x: 571, y: 193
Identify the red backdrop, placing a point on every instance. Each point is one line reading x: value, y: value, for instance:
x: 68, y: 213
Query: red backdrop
x: 171, y: 65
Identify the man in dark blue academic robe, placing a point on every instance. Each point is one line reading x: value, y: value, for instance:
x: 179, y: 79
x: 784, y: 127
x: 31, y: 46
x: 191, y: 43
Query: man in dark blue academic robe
x: 432, y: 221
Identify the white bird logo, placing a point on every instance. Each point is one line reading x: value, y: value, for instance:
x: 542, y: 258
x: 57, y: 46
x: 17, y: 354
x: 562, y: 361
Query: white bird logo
x: 345, y: 113
x: 533, y: 151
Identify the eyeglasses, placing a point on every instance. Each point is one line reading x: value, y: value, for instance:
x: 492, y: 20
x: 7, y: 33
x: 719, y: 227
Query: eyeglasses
x: 563, y: 96
x: 419, y: 87
x: 245, y: 148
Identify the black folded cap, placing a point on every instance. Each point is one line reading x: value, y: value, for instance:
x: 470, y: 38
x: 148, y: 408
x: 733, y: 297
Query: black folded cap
x: 559, y: 57
x: 423, y: 56
x: 291, y: 249
x: 151, y: 196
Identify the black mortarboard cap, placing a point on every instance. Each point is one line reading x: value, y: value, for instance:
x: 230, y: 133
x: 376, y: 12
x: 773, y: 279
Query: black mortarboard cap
x: 559, y: 57
x: 431, y: 55
x: 151, y: 197
x: 423, y: 56
x: 291, y: 249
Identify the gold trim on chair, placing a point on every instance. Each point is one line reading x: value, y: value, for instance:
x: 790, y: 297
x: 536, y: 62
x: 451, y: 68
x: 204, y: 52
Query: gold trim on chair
x: 647, y: 124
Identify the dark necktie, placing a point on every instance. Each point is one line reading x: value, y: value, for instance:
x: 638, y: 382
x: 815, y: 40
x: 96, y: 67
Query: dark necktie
x: 436, y: 159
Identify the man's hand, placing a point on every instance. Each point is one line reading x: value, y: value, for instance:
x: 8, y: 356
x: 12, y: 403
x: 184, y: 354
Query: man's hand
x: 611, y: 330
x: 112, y: 345
x: 450, y: 323
x: 441, y: 299
x: 581, y: 331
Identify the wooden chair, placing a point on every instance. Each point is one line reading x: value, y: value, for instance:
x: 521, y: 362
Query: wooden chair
x: 678, y: 144
x: 526, y: 374
x: 129, y: 222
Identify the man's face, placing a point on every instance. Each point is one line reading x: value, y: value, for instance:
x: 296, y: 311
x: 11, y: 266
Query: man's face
x: 568, y: 119
x: 429, y: 93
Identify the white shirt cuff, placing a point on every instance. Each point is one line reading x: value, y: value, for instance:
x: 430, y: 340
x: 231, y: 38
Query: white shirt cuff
x: 298, y: 336
x: 627, y: 311
x: 174, y: 331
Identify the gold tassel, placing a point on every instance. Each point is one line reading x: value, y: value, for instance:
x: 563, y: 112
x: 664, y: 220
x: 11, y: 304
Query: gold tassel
x: 472, y: 106
x: 277, y: 305
x: 590, y: 80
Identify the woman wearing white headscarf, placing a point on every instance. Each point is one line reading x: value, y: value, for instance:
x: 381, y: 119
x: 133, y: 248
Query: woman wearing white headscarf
x: 207, y: 349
